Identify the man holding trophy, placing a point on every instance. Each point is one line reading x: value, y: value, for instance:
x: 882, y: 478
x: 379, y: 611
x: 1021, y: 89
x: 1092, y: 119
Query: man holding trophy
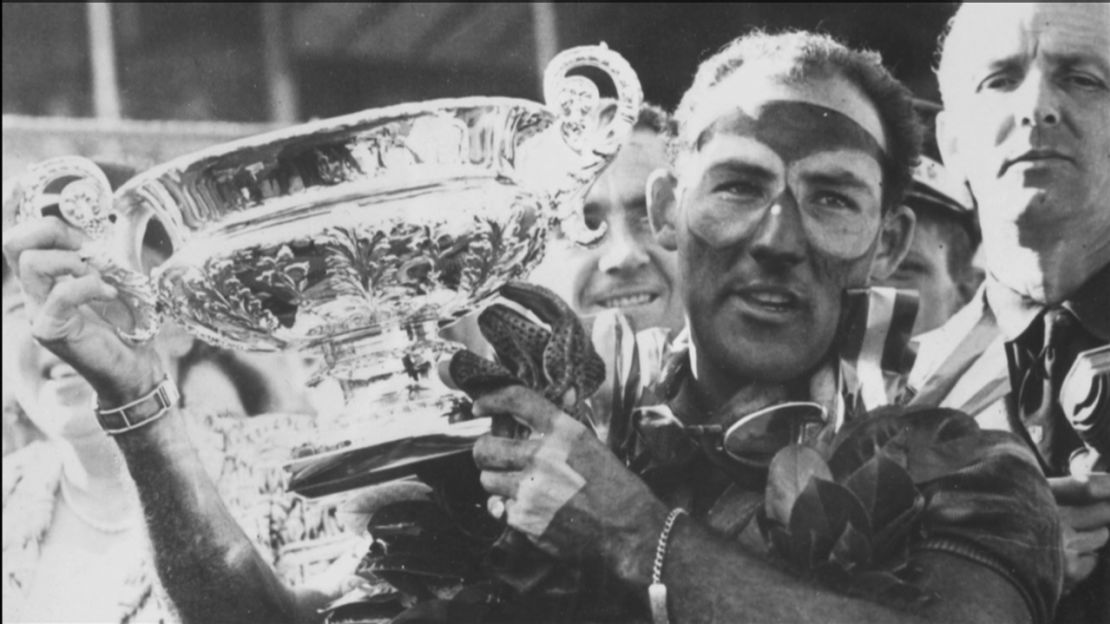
x: 747, y: 491
x: 779, y: 151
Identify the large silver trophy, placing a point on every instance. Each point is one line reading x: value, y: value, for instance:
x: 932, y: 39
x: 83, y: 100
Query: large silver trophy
x: 354, y: 238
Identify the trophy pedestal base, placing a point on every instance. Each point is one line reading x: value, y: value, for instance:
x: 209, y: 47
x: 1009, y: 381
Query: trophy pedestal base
x: 394, y: 421
x: 388, y: 373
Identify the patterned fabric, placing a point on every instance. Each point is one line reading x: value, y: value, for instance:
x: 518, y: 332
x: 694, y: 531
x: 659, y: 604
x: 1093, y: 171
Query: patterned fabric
x: 32, y: 479
x: 1039, y: 360
x: 874, y: 345
x: 243, y: 456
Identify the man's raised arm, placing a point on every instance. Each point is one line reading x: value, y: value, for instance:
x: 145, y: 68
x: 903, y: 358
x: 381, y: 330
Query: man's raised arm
x: 206, y: 563
x: 208, y: 566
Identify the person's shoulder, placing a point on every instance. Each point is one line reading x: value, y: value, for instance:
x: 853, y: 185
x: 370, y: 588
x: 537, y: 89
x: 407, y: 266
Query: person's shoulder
x: 985, y: 497
x: 934, y: 347
x: 929, y: 441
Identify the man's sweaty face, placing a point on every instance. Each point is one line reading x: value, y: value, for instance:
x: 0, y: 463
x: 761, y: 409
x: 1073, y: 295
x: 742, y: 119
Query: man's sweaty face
x: 798, y: 155
x: 779, y: 208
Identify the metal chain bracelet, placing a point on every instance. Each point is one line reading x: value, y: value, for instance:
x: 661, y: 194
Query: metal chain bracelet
x: 657, y: 591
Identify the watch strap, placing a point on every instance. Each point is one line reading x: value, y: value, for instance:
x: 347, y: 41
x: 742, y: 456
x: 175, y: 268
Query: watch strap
x: 140, y: 412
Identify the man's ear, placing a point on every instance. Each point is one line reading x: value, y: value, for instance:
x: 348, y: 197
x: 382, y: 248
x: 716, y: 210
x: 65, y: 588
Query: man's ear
x: 662, y: 204
x: 894, y: 242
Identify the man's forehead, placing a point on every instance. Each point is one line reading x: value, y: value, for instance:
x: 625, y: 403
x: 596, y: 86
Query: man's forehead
x: 624, y: 180
x: 992, y: 33
x: 1030, y: 17
x: 750, y: 89
x: 795, y: 131
x: 643, y: 149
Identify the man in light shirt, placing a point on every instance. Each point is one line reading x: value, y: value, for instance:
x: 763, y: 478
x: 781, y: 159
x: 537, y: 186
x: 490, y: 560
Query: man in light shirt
x: 1026, y: 91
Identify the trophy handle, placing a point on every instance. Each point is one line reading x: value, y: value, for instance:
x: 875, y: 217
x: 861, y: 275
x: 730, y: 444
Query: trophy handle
x: 77, y: 191
x: 576, y: 101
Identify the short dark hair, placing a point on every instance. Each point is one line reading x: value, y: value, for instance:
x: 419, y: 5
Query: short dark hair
x: 653, y: 118
x: 804, y: 55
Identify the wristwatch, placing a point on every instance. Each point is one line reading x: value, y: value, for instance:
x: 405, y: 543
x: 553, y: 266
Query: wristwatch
x: 142, y: 411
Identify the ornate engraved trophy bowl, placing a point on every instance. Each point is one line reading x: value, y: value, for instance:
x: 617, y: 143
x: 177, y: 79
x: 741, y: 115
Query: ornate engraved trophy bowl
x: 353, y: 238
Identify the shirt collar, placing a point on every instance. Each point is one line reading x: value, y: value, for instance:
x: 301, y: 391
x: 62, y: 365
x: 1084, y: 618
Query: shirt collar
x: 1090, y: 305
x: 1014, y: 312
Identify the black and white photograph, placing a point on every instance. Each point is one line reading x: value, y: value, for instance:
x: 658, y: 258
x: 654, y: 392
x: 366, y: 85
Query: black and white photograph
x: 540, y: 312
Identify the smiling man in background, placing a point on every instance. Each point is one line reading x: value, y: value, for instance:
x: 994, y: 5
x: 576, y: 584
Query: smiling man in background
x: 626, y: 269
